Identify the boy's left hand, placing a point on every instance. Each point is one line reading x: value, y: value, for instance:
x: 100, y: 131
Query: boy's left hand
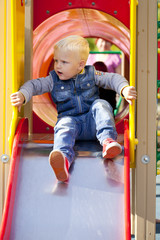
x: 129, y: 94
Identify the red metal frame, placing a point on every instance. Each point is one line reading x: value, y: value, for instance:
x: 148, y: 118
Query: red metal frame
x: 116, y: 8
x: 39, y: 126
x: 127, y: 181
x: 20, y: 136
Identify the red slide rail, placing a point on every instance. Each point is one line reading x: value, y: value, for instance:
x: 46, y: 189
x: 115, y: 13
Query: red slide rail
x: 20, y: 136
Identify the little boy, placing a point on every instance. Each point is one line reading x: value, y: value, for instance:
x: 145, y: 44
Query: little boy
x: 82, y: 115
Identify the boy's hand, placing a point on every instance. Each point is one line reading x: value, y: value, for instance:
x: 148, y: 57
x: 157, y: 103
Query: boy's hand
x: 17, y: 100
x: 129, y: 94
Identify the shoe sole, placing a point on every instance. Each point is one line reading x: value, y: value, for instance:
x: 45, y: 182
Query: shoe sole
x: 57, y: 162
x: 112, y: 151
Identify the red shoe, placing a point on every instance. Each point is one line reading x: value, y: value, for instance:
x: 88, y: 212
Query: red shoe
x: 60, y: 165
x: 111, y: 148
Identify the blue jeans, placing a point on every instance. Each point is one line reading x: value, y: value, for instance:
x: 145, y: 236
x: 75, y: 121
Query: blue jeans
x: 98, y: 123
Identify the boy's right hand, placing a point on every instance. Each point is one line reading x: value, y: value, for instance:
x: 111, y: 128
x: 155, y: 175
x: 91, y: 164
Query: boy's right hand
x: 17, y: 100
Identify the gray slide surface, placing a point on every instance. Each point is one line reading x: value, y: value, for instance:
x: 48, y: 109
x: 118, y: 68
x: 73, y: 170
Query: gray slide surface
x: 90, y: 206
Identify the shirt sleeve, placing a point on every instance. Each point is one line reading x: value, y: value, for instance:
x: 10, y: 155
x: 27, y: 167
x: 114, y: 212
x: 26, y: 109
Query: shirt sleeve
x: 111, y: 81
x: 36, y: 87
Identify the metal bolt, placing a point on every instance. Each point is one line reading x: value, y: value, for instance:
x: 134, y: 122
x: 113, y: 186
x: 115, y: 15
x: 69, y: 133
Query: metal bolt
x: 115, y: 12
x: 93, y: 4
x: 145, y: 159
x: 70, y: 3
x: 4, y: 158
x: 48, y: 12
x: 47, y: 128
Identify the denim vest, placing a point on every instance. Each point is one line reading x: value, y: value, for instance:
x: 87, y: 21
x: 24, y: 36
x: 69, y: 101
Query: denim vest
x: 74, y: 96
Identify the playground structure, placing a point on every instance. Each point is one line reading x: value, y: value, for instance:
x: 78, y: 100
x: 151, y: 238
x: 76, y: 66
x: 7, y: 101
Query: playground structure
x: 110, y: 20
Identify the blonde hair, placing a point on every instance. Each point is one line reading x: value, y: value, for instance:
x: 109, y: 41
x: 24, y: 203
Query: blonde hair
x: 74, y: 43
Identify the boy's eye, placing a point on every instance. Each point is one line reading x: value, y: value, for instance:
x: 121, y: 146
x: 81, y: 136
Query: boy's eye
x: 64, y: 62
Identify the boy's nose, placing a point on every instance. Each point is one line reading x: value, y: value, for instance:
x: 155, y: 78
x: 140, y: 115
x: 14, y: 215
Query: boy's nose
x: 58, y: 65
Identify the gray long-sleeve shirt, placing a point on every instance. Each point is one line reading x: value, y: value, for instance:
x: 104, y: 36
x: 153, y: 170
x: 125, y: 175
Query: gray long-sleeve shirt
x: 46, y: 84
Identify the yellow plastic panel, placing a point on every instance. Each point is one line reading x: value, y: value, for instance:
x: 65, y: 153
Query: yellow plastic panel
x: 2, y: 95
x: 2, y: 72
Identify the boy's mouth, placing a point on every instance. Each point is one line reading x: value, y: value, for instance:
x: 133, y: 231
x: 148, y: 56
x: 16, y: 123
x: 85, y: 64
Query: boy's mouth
x: 59, y: 73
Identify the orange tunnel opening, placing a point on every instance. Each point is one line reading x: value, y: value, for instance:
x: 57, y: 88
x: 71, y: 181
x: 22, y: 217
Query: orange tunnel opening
x: 85, y: 22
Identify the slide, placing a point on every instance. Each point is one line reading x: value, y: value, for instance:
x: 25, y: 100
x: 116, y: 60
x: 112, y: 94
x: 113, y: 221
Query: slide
x: 91, y: 205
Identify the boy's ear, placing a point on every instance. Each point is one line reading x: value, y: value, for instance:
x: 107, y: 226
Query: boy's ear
x: 82, y: 64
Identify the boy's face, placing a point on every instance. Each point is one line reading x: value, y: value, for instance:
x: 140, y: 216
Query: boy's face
x: 66, y: 64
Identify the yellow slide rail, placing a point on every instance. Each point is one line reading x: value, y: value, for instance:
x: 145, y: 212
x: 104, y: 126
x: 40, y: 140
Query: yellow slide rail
x: 4, y: 83
x: 133, y: 140
x: 17, y: 33
x: 14, y: 120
